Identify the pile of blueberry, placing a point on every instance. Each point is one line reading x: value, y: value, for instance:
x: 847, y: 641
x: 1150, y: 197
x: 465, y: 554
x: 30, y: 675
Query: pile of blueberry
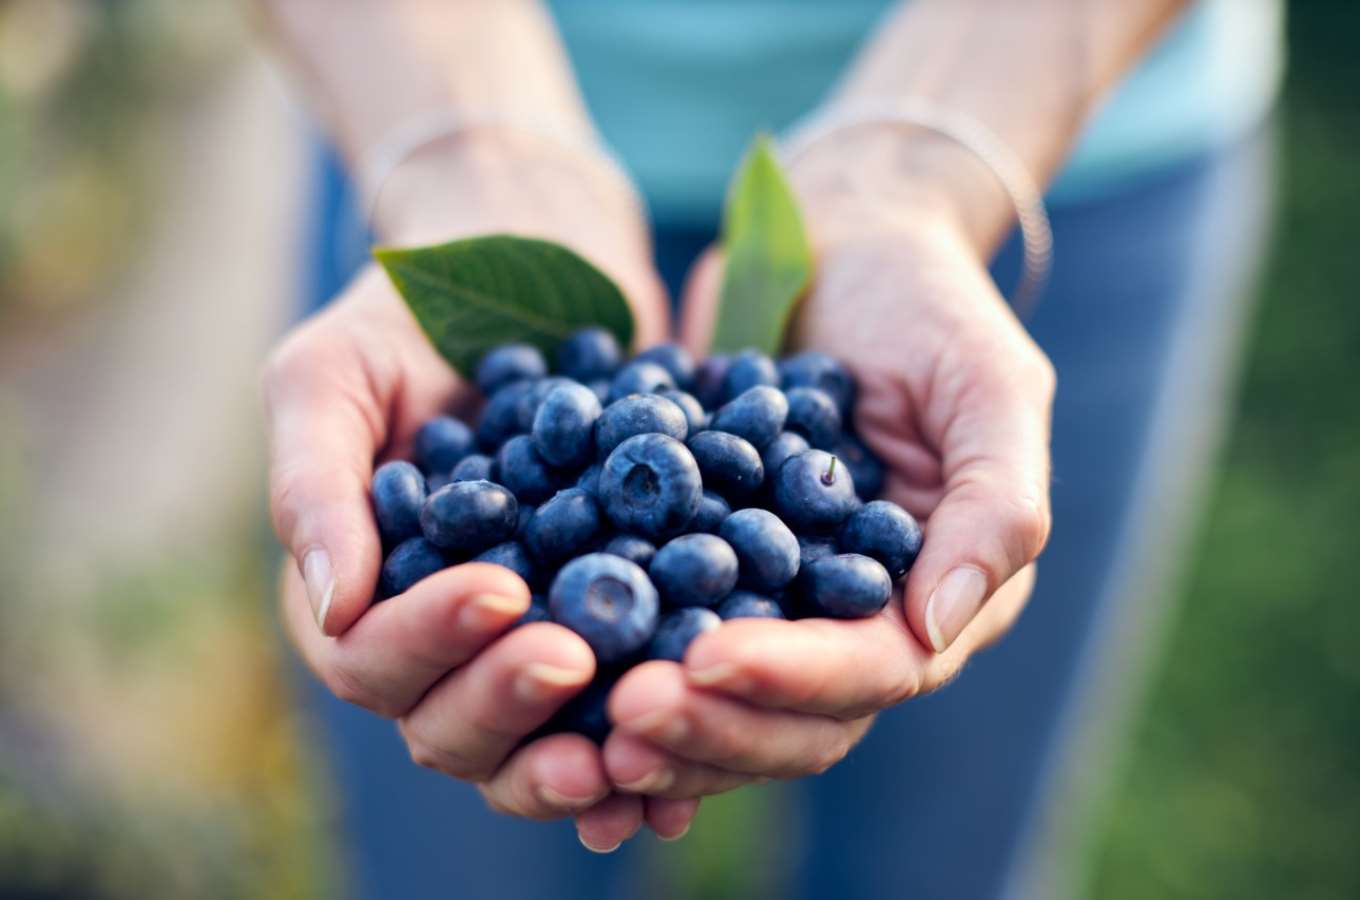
x: 646, y: 501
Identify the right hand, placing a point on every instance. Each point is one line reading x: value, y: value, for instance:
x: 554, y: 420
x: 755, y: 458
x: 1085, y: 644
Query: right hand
x: 349, y: 388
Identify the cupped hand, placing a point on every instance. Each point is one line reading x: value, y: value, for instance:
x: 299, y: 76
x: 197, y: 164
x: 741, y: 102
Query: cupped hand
x: 349, y: 388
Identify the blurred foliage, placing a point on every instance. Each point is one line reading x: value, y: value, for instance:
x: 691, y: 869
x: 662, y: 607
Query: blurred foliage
x: 80, y: 82
x: 1244, y: 773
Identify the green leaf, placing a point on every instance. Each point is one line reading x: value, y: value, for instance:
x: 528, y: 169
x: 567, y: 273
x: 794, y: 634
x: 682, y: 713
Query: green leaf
x: 476, y: 294
x: 768, y: 261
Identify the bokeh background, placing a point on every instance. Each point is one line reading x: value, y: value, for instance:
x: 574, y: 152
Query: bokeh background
x: 153, y: 185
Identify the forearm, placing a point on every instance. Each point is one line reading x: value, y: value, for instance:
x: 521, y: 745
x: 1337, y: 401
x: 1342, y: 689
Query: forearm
x: 1030, y: 71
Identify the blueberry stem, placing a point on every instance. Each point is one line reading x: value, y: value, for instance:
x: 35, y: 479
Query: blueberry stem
x: 829, y: 476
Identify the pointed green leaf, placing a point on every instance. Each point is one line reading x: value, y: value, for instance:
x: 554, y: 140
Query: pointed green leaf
x: 768, y: 261
x: 475, y: 294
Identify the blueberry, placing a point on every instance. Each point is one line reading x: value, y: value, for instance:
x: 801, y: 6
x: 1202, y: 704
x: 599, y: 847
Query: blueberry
x: 638, y: 414
x: 409, y: 562
x: 469, y: 516
x: 586, y: 713
x: 589, y: 479
x: 529, y: 402
x: 781, y: 448
x: 650, y: 485
x: 708, y: 379
x: 865, y: 469
x: 564, y: 526
x: 885, y: 532
x: 524, y: 472
x: 810, y: 548
x: 564, y: 426
x: 500, y: 416
x: 509, y: 363
x: 766, y: 549
x: 608, y: 601
x: 512, y: 556
x: 398, y: 494
x: 537, y: 611
x: 601, y: 388
x: 844, y: 586
x: 694, y: 412
x: 632, y: 548
x: 713, y: 511
x: 588, y: 354
x: 813, y: 491
x: 677, y: 629
x: 474, y: 467
x: 813, y: 414
x: 639, y: 378
x: 436, y: 481
x: 674, y: 359
x: 814, y: 369
x: 748, y: 369
x: 757, y: 415
x: 441, y: 442
x: 729, y: 464
x: 746, y: 605
x: 526, y: 515
x: 694, y: 570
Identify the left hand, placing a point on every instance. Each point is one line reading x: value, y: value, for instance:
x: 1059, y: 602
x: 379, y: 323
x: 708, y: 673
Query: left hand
x: 955, y: 398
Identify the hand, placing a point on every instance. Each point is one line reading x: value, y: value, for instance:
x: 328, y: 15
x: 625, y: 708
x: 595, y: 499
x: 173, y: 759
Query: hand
x: 955, y: 398
x: 351, y: 386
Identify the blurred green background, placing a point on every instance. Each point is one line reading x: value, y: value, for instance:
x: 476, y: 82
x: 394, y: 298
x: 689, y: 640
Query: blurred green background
x: 147, y: 746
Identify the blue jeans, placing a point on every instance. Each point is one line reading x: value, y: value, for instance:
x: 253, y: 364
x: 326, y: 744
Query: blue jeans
x: 951, y: 794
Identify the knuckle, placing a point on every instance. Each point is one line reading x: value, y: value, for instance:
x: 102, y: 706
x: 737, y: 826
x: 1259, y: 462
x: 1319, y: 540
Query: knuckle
x: 1028, y: 523
x: 430, y: 754
x: 348, y: 686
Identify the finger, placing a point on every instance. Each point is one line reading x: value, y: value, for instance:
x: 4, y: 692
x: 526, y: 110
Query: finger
x: 402, y: 646
x: 469, y: 722
x: 609, y: 823
x: 699, y: 307
x: 994, y: 518
x: 554, y: 777
x: 636, y: 766
x: 654, y: 702
x: 670, y: 819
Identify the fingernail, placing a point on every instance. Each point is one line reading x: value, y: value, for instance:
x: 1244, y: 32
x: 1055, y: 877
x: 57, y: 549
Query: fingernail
x: 956, y: 600
x: 586, y: 844
x: 319, y: 578
x: 562, y: 801
x: 662, y: 724
x: 675, y: 837
x: 651, y: 783
x: 713, y: 676
x: 539, y: 682
x: 487, y: 611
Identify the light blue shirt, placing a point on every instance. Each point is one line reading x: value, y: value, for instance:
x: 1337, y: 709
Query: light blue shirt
x: 678, y: 87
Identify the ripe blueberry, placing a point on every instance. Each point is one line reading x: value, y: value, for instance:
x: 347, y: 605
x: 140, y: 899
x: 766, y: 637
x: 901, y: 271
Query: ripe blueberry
x: 589, y: 479
x: 537, y: 611
x: 747, y: 605
x: 512, y: 556
x: 694, y: 570
x: 813, y: 491
x: 865, y: 468
x: 748, y: 369
x: 813, y: 414
x: 398, y: 494
x: 500, y: 416
x: 730, y: 465
x: 766, y: 549
x: 409, y: 562
x: 758, y: 415
x: 632, y: 548
x: 507, y: 363
x: 564, y: 526
x: 844, y: 586
x: 677, y: 629
x: 469, y: 516
x: 589, y: 354
x: 638, y: 414
x: 814, y: 369
x: 586, y: 713
x: 564, y: 426
x: 708, y: 379
x: 713, y: 511
x: 694, y: 413
x: 781, y: 448
x: 608, y: 601
x: 529, y: 401
x: 814, y: 547
x: 650, y: 485
x: 639, y: 378
x: 885, y: 532
x: 674, y: 359
x: 524, y: 472
x: 441, y: 442
x: 474, y: 467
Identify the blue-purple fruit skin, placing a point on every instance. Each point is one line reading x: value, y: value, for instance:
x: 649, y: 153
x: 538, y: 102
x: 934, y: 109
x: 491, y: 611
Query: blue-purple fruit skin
x: 564, y: 426
x: 767, y: 551
x: 639, y: 378
x: 441, y: 442
x: 509, y: 363
x: 813, y: 414
x: 589, y: 354
x: 650, y: 486
x: 730, y: 465
x: 815, y: 369
x: 749, y: 605
x: 674, y: 359
x: 813, y: 492
x: 713, y: 510
x: 537, y: 611
x: 812, y: 547
x: 885, y: 531
x: 789, y: 443
x: 566, y: 524
x: 709, y: 375
x: 695, y: 416
x: 747, y: 369
x: 757, y: 414
x: 678, y: 629
x: 525, y: 472
x: 500, y: 416
x: 844, y: 586
x: 694, y: 570
x: 526, y: 409
x: 586, y: 713
x: 474, y: 467
x: 608, y: 601
x: 398, y: 494
x: 589, y: 479
x: 467, y: 517
x: 411, y: 561
x: 632, y: 548
x: 638, y: 414
x: 511, y: 555
x: 865, y: 468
